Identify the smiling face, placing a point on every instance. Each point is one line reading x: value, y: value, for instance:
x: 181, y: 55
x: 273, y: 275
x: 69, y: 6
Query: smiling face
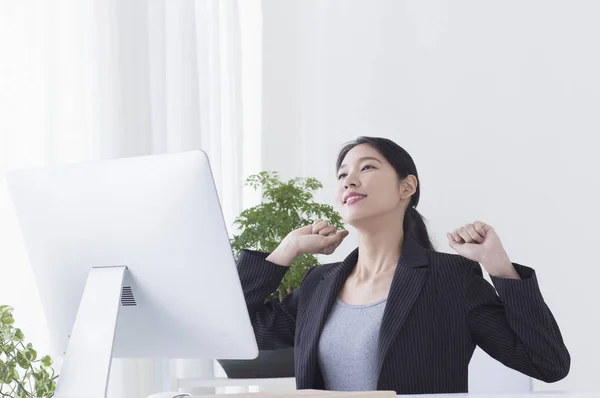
x: 369, y: 188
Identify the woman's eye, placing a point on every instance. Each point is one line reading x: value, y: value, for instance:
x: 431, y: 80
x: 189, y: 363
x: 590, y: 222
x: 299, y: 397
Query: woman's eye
x: 364, y: 168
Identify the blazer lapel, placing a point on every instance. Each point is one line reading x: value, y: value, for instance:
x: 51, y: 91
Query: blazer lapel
x: 409, y: 278
x: 320, y: 305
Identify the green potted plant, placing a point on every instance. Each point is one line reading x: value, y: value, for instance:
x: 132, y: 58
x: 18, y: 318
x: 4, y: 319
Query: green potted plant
x: 285, y: 206
x: 22, y: 374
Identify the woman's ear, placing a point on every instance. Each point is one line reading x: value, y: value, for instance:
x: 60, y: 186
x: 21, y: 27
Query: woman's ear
x: 409, y: 185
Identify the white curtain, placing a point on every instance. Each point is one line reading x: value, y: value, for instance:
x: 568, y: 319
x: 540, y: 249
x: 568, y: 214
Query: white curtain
x: 97, y: 79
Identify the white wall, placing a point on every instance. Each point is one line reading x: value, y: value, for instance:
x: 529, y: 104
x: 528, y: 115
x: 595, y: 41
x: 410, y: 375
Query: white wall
x: 282, y: 99
x: 497, y: 102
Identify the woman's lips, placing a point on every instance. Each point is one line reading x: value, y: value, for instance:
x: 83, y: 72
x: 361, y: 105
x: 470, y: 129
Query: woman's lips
x: 354, y: 199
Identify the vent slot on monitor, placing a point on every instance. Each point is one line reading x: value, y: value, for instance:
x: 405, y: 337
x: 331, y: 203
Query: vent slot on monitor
x: 127, y: 299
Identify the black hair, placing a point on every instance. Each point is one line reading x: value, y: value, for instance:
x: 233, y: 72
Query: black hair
x: 402, y: 162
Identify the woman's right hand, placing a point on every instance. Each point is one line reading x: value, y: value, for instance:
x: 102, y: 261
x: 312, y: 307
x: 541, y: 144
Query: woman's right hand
x: 318, y: 238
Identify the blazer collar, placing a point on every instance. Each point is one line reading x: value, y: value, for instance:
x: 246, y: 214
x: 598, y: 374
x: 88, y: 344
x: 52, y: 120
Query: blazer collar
x: 412, y: 255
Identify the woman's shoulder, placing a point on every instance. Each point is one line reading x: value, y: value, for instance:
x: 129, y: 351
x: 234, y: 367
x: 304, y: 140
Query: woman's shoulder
x: 456, y: 277
x: 454, y: 265
x: 318, y: 271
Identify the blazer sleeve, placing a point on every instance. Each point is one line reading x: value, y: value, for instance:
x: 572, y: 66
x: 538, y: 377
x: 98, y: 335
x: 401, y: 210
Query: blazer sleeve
x: 516, y: 326
x: 274, y: 322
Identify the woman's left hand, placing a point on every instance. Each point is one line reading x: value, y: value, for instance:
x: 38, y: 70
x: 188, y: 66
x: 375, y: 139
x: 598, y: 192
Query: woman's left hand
x: 479, y: 242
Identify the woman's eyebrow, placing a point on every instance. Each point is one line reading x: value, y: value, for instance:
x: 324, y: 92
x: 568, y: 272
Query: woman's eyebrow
x: 363, y: 158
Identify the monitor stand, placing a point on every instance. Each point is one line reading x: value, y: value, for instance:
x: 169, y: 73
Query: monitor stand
x: 86, y: 366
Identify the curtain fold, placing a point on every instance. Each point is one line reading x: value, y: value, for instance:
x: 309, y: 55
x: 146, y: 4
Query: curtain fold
x: 106, y: 79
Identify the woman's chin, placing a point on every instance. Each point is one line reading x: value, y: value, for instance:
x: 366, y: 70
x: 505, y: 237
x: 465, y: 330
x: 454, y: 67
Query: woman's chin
x: 353, y: 218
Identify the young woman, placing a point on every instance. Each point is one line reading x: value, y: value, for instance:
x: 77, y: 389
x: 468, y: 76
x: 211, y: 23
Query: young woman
x: 396, y: 314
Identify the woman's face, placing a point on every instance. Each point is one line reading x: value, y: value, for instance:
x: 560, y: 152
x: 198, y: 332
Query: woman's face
x: 368, y: 187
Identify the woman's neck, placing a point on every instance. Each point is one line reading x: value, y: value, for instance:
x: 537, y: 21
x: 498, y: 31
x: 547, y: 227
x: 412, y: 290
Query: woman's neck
x: 379, y: 250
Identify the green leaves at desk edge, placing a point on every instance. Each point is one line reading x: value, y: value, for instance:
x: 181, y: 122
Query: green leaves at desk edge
x: 22, y: 374
x: 285, y: 206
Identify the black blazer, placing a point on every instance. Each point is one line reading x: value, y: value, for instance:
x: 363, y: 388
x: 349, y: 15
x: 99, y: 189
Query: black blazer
x: 439, y: 308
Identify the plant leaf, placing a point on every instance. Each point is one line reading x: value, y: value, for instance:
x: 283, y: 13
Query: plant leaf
x: 13, y: 374
x: 18, y: 335
x: 4, y: 370
x: 22, y: 359
x: 5, y: 309
x: 47, y: 361
x: 31, y: 354
x: 8, y: 335
x: 7, y: 319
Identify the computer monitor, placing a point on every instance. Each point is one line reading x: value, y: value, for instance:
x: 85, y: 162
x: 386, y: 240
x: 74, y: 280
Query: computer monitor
x: 132, y: 259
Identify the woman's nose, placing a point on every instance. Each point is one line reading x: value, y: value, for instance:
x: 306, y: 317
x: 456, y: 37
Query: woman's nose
x: 351, y: 181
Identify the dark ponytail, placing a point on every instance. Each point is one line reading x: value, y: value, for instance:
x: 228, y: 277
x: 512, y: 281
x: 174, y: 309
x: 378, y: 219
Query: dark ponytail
x: 414, y: 224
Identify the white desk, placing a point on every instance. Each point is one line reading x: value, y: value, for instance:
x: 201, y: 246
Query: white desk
x: 282, y: 383
x: 538, y: 394
x: 544, y: 394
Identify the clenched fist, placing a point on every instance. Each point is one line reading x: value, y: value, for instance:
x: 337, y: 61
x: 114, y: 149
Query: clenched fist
x: 319, y: 238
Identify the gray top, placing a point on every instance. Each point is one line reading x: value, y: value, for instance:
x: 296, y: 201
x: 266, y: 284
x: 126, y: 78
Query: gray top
x: 348, y: 346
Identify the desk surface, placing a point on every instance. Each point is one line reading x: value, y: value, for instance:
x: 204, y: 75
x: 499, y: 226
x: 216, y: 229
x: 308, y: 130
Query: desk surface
x: 540, y: 394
